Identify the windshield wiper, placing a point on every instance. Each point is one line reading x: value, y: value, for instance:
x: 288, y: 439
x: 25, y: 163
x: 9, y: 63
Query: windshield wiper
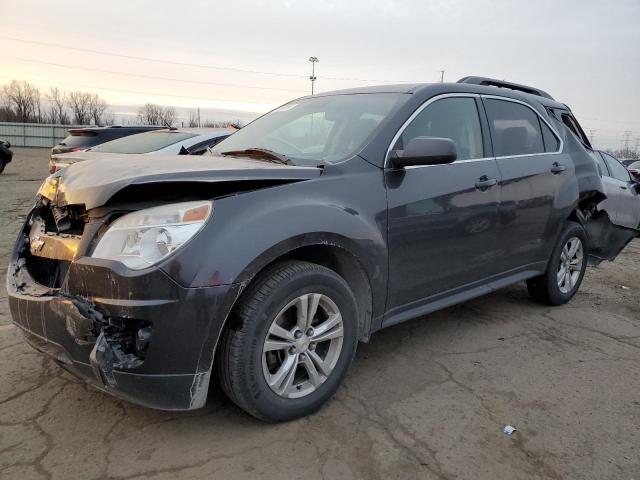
x: 262, y: 153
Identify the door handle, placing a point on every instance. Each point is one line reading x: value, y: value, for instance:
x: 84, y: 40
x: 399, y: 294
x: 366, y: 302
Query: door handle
x: 484, y: 183
x: 622, y: 187
x: 557, y: 168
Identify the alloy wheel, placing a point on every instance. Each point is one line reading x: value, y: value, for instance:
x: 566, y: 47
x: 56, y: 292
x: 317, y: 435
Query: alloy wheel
x: 571, y: 260
x: 302, y: 346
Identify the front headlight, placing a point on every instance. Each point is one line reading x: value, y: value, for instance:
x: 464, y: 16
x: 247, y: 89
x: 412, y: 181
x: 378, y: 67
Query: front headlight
x: 141, y: 239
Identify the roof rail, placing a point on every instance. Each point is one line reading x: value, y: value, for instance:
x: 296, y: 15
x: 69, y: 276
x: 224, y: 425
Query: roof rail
x: 492, y: 82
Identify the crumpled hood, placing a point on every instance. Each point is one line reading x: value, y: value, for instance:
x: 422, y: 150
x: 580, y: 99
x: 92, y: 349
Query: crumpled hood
x: 93, y: 182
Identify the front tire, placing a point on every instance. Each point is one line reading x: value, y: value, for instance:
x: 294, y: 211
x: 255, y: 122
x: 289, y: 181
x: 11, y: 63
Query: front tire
x: 565, y: 270
x: 290, y: 341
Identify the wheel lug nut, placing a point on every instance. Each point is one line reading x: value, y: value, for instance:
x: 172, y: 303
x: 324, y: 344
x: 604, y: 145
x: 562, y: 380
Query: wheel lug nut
x: 310, y: 332
x: 292, y: 350
x: 312, y: 346
x: 298, y: 334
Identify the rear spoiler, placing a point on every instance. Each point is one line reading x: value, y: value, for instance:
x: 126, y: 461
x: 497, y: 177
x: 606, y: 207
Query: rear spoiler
x: 492, y: 82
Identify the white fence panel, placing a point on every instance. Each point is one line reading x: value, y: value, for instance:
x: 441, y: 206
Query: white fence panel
x: 33, y: 134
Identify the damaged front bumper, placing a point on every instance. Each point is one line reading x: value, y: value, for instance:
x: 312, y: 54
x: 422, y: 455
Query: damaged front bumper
x: 135, y: 334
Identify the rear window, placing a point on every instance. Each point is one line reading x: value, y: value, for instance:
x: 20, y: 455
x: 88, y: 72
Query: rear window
x: 80, y: 139
x: 143, y: 142
x: 515, y: 128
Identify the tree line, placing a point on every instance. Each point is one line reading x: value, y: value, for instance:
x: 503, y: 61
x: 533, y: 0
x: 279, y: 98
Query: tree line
x: 23, y: 102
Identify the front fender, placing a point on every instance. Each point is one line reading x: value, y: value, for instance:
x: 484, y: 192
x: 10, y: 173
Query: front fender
x: 249, y: 230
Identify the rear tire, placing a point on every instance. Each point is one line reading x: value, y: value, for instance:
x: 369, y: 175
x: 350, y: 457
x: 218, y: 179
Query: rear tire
x: 565, y: 270
x: 2, y: 165
x: 265, y: 339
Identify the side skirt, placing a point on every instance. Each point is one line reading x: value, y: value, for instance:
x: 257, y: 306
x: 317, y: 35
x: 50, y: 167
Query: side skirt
x: 463, y: 294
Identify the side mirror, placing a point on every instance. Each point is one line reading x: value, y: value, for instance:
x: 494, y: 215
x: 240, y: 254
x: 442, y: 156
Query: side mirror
x: 425, y: 151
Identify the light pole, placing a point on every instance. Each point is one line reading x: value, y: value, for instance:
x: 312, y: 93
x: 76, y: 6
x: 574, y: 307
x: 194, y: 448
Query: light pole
x: 442, y: 75
x: 313, y: 61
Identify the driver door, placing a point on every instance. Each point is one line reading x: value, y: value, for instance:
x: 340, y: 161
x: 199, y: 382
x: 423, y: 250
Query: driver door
x: 442, y: 219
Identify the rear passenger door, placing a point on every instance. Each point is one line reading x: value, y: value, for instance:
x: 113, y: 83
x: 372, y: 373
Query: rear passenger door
x: 527, y: 153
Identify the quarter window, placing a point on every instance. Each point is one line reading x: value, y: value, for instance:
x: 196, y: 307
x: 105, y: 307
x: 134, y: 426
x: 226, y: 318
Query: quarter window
x: 515, y: 128
x: 455, y: 118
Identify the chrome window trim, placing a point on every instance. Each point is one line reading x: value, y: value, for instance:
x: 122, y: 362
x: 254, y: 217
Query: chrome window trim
x: 473, y: 95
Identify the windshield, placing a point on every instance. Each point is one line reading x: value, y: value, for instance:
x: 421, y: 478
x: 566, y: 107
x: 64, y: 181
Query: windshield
x: 315, y: 130
x: 143, y: 142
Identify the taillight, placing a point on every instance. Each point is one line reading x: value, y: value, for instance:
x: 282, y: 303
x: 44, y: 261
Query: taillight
x: 78, y: 149
x: 52, y: 168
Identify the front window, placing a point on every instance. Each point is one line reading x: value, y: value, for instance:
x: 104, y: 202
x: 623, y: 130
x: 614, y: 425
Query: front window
x: 316, y: 130
x: 455, y: 118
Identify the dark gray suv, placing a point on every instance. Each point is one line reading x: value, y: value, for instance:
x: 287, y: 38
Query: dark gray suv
x: 262, y: 265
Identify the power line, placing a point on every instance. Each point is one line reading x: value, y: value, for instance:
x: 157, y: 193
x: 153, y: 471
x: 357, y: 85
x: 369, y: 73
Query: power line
x: 197, y: 65
x: 137, y: 92
x: 153, y: 77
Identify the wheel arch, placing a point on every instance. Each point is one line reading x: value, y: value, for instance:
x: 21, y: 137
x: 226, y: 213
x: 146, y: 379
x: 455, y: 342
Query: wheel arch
x: 331, y: 251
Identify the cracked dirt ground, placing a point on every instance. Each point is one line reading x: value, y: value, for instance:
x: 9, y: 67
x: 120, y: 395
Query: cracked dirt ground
x: 426, y: 399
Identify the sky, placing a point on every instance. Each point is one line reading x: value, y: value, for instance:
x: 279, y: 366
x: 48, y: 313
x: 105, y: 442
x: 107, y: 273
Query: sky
x: 248, y: 56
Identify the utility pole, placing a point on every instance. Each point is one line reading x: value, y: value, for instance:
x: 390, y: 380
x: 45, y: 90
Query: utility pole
x: 199, y: 117
x: 627, y: 139
x: 313, y: 61
x: 442, y: 75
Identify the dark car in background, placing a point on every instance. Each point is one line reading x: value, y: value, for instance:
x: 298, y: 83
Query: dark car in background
x: 6, y: 155
x: 634, y: 169
x: 80, y: 139
x: 262, y: 264
x: 627, y: 162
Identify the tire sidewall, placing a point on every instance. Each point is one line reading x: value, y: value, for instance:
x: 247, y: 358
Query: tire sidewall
x: 266, y: 400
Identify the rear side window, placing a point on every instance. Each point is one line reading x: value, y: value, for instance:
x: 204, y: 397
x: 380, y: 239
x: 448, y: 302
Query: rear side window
x: 515, y: 128
x: 80, y: 139
x: 455, y: 118
x: 572, y: 124
x: 618, y: 171
x: 143, y: 142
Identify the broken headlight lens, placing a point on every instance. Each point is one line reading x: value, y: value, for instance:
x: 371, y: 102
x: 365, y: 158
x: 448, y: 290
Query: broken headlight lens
x: 141, y: 239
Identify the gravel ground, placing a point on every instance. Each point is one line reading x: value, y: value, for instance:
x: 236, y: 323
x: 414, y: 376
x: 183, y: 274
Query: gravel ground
x: 426, y: 399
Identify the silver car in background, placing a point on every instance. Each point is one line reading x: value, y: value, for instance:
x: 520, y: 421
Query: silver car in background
x: 169, y: 141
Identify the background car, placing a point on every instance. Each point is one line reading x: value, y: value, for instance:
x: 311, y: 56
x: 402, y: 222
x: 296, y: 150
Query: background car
x: 634, y: 169
x: 627, y: 162
x: 168, y: 141
x: 6, y: 155
x: 622, y: 190
x: 80, y: 139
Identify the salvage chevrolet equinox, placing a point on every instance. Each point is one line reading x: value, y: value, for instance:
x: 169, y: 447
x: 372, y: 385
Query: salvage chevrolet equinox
x: 262, y: 264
